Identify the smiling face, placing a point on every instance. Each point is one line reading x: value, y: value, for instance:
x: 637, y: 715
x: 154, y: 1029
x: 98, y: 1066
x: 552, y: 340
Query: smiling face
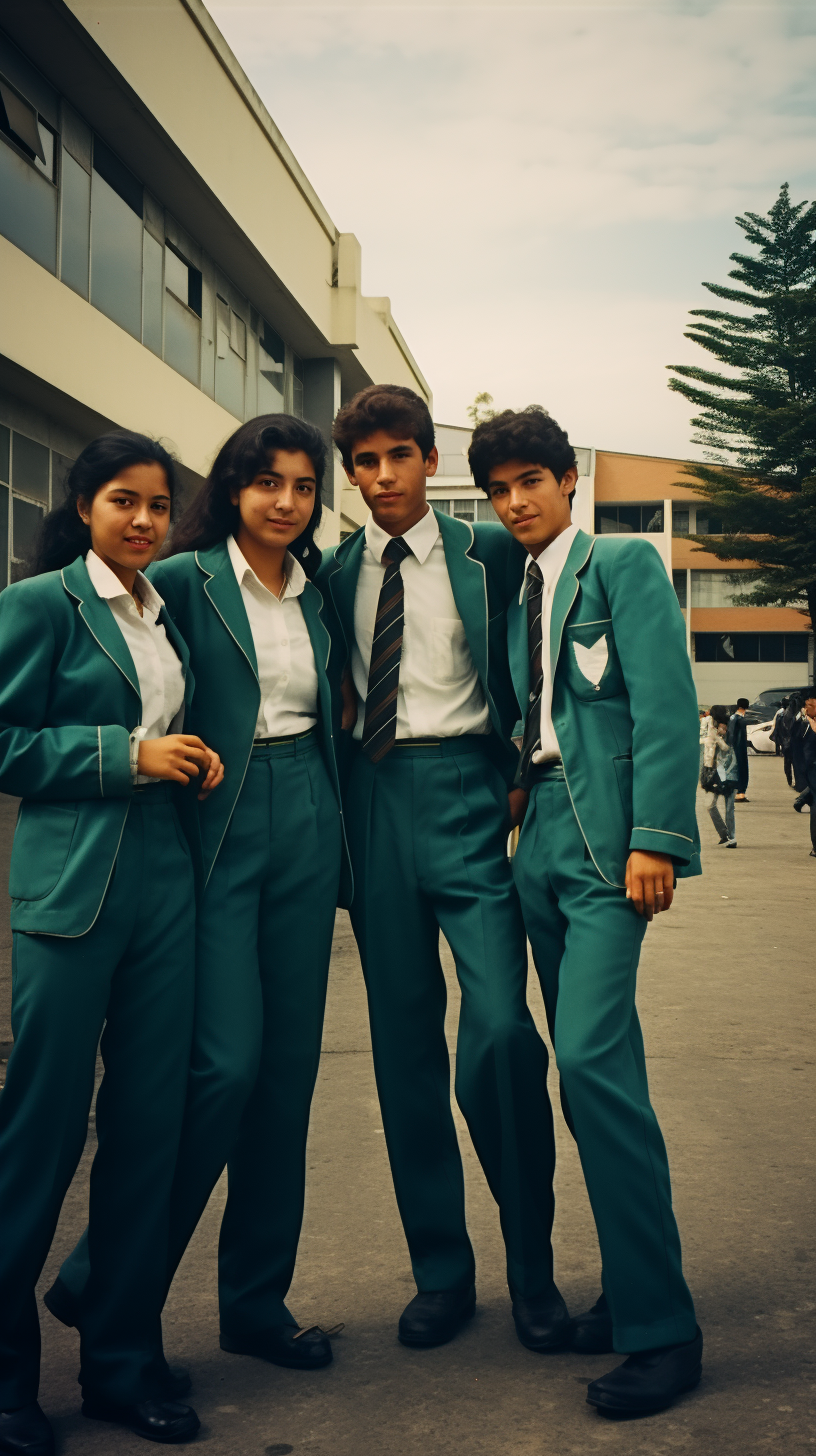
x: 129, y: 518
x: 392, y: 474
x: 277, y: 505
x: 530, y: 502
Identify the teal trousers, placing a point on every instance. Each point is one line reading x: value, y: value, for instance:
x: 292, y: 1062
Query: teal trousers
x: 133, y: 974
x: 427, y: 834
x: 586, y: 938
x: 264, y: 939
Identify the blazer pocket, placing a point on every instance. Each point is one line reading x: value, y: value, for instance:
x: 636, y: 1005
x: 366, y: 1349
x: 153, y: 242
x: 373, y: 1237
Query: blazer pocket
x: 450, y: 654
x: 42, y: 844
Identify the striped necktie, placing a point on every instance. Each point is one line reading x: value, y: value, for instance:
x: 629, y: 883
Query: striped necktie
x: 532, y: 722
x: 380, y: 724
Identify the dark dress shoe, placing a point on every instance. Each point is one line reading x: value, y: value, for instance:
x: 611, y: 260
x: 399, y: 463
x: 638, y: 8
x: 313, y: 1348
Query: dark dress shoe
x: 649, y: 1380
x: 543, y: 1323
x: 591, y: 1333
x: 26, y: 1432
x: 286, y: 1345
x: 435, y: 1317
x: 157, y: 1420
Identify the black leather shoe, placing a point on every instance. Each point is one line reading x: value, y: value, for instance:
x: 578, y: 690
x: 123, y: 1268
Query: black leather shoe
x: 286, y: 1345
x: 543, y: 1323
x: 591, y: 1333
x: 157, y: 1420
x: 61, y: 1303
x: 801, y: 800
x: 435, y: 1317
x: 649, y: 1380
x: 26, y: 1432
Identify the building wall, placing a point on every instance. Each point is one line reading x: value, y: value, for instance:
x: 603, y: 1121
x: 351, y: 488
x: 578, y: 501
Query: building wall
x: 166, y: 265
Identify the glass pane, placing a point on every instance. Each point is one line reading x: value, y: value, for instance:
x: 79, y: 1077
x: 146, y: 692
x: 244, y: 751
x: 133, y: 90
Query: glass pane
x: 47, y: 140
x: 705, y: 646
x: 116, y: 257
x: 746, y: 646
x: 485, y: 511
x: 771, y: 647
x: 5, y: 456
x: 272, y: 356
x: 237, y: 335
x: 708, y: 525
x: 651, y: 518
x: 152, y: 294
x: 297, y: 388
x: 60, y: 470
x: 796, y: 647
x: 679, y: 582
x: 26, y: 522
x: 176, y: 275
x: 583, y: 459
x: 28, y: 215
x: 182, y: 341
x: 442, y: 505
x: 628, y: 519
x: 29, y: 467
x: 712, y: 589
x: 725, y: 650
x: 76, y: 225
x: 680, y: 523
x: 4, y: 541
x: 464, y: 510
x: 606, y: 521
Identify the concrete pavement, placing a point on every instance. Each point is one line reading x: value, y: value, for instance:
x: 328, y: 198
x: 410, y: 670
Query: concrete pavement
x: 726, y: 999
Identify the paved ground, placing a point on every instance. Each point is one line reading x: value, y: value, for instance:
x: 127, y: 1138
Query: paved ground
x: 727, y: 1004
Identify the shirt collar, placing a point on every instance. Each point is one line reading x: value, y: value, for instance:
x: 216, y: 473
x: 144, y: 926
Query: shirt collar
x: 293, y: 571
x: 551, y: 560
x: 421, y: 538
x: 107, y: 585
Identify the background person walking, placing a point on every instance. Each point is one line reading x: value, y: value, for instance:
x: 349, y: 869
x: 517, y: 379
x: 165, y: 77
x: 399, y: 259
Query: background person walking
x: 720, y: 776
x: 738, y: 738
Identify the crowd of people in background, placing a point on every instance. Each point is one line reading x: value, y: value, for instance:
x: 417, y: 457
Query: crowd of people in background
x: 724, y: 770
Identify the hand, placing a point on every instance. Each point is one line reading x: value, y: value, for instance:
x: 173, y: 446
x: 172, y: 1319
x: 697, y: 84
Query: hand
x: 177, y: 757
x: 215, y: 774
x: 517, y: 801
x: 349, y: 717
x: 649, y: 882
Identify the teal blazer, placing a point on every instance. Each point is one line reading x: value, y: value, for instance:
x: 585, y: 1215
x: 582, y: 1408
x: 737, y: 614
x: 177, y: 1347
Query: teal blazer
x: 69, y: 700
x: 624, y: 705
x: 204, y: 599
x: 484, y: 565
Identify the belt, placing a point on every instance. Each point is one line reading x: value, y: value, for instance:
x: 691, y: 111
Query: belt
x: 439, y: 747
x: 287, y: 738
x: 156, y: 787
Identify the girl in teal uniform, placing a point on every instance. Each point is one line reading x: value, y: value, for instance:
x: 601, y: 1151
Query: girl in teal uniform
x: 94, y: 684
x: 269, y: 847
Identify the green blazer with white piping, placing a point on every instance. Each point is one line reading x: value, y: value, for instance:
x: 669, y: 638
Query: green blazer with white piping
x: 484, y: 566
x: 69, y: 700
x: 624, y: 706
x: 204, y: 599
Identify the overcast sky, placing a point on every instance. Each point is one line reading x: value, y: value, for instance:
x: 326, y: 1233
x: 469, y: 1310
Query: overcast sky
x: 541, y: 188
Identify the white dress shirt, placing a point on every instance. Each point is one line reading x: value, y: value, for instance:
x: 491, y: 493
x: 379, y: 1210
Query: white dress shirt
x: 158, y: 667
x: 439, y: 694
x: 283, y: 648
x: 550, y: 564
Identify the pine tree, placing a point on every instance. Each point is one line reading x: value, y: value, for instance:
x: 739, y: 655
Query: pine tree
x: 481, y: 409
x: 757, y: 421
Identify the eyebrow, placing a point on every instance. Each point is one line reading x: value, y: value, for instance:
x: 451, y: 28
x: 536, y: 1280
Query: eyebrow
x: 278, y: 475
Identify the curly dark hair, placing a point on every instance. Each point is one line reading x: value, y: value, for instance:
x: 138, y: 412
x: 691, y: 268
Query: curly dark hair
x: 391, y: 407
x: 211, y: 517
x: 529, y: 434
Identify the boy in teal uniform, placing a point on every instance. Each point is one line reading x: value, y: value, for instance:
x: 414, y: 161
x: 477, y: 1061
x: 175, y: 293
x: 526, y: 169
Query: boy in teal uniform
x: 609, y: 756
x: 422, y: 598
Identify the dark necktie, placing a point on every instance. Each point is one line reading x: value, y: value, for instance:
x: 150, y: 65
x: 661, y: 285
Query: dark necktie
x: 532, y: 722
x: 380, y: 724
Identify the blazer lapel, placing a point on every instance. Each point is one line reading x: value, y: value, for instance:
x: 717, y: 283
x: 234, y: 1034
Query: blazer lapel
x: 566, y: 591
x: 311, y: 603
x: 182, y: 649
x: 343, y: 583
x: 225, y: 594
x: 469, y: 587
x: 99, y: 619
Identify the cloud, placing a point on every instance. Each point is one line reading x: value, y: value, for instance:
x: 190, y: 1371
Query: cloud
x: 506, y: 166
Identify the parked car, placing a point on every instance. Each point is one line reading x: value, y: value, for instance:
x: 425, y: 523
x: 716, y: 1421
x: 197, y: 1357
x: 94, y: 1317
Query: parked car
x: 759, y: 739
x: 767, y: 703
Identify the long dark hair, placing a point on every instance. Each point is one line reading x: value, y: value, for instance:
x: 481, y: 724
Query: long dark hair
x: 63, y: 535
x: 212, y: 517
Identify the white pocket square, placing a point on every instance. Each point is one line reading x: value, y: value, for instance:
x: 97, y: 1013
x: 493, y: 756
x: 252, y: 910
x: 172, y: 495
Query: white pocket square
x: 592, y: 660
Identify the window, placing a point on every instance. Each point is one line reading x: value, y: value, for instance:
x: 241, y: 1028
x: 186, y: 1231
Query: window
x: 442, y: 505
x: 751, y: 646
x: 116, y: 240
x: 182, y: 322
x: 30, y: 470
x: 679, y: 582
x: 152, y: 265
x: 75, y: 256
x: 229, y: 364
x: 30, y: 467
x: 20, y: 122
x: 718, y: 588
x: 708, y: 525
x: 680, y: 522
x: 485, y: 511
x: 584, y: 461
x: 464, y: 510
x: 271, y: 363
x: 28, y: 216
x: 297, y: 387
x: 628, y: 520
